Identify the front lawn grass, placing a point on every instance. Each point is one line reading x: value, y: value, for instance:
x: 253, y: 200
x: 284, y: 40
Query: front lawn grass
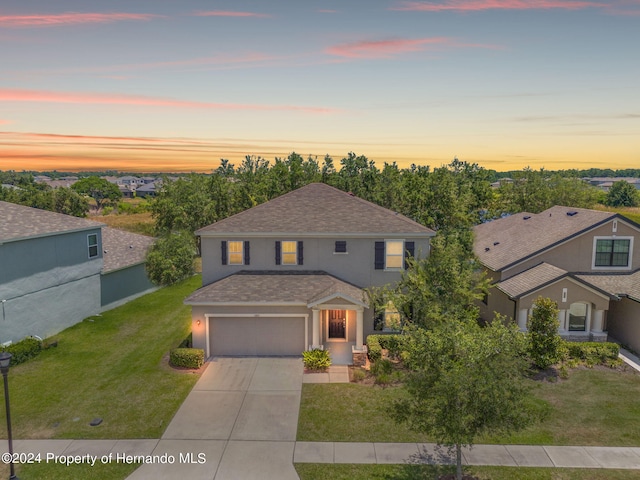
x: 316, y: 471
x: 596, y: 406
x: 51, y: 471
x: 108, y: 366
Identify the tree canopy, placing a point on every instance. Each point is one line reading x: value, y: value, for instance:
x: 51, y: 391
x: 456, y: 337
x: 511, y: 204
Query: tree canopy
x: 102, y: 191
x: 623, y: 194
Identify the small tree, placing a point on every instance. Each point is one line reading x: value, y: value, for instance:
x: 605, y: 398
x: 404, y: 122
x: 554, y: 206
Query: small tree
x: 101, y: 190
x: 171, y: 258
x: 622, y: 194
x: 465, y: 380
x: 544, y: 341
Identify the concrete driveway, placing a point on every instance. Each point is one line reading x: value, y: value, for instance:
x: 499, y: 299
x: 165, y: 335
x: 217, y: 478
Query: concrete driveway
x: 238, y: 422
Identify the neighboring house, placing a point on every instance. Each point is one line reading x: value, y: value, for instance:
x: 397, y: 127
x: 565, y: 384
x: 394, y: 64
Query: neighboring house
x: 57, y: 270
x: 587, y: 261
x: 147, y: 190
x: 289, y: 275
x: 605, y: 183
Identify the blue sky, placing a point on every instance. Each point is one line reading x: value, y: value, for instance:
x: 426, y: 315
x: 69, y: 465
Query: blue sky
x: 167, y: 85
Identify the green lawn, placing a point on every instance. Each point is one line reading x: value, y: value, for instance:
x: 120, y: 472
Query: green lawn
x: 593, y: 407
x: 48, y: 471
x: 313, y: 471
x: 109, y: 366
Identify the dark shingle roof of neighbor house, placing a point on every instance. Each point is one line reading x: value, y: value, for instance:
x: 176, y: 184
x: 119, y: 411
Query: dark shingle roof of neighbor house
x: 123, y: 249
x: 501, y: 243
x: 619, y: 284
x: 18, y: 222
x: 284, y: 287
x: 530, y: 280
x: 317, y: 209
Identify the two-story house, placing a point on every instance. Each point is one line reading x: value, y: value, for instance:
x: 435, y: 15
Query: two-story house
x: 289, y: 274
x: 56, y: 270
x: 587, y: 261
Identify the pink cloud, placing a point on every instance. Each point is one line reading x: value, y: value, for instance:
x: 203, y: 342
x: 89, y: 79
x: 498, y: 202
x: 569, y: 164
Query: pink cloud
x: 390, y: 48
x: 70, y: 18
x: 228, y: 13
x: 4, y: 122
x: 478, y: 5
x: 44, y: 96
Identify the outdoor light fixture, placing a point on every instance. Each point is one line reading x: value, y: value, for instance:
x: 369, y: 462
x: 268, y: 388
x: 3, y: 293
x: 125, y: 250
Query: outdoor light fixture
x: 5, y: 360
x: 198, y: 322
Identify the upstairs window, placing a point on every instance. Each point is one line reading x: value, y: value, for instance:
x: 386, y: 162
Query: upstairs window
x: 612, y: 252
x: 394, y: 254
x: 92, y: 243
x: 289, y: 252
x: 235, y: 252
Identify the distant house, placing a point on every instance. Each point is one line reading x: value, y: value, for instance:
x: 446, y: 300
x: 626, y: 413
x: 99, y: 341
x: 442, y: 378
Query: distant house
x: 57, y: 270
x: 147, y: 190
x: 587, y: 261
x: 289, y: 274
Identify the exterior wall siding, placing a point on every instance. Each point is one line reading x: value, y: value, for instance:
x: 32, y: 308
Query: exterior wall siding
x: 124, y: 285
x: 623, y: 323
x: 575, y: 293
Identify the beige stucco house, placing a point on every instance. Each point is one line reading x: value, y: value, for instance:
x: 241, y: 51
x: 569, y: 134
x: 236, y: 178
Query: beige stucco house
x: 587, y: 261
x: 289, y: 275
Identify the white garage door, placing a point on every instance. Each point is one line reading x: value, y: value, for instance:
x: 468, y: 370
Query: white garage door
x: 268, y: 336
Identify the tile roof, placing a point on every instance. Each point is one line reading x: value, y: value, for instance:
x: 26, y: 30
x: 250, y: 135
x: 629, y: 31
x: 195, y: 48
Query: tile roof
x: 19, y: 222
x: 317, y: 209
x: 123, y: 249
x: 530, y: 280
x: 624, y: 284
x: 286, y: 287
x: 501, y: 243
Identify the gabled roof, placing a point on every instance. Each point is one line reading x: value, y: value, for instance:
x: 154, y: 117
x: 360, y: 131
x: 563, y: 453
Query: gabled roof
x: 18, y: 222
x: 624, y: 284
x: 123, y: 249
x: 317, y: 209
x: 272, y: 287
x: 507, y: 241
x: 531, y: 280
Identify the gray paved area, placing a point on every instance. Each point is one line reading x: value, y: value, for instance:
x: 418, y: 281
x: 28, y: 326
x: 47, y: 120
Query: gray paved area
x: 335, y: 374
x: 240, y: 422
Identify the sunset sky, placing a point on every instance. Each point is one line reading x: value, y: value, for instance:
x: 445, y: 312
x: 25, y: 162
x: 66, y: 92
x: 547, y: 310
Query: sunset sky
x: 151, y: 85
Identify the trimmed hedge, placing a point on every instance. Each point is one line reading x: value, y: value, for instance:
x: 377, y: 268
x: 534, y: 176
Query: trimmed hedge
x: 187, y: 357
x: 316, y: 359
x: 24, y: 350
x: 593, y: 353
x: 376, y: 343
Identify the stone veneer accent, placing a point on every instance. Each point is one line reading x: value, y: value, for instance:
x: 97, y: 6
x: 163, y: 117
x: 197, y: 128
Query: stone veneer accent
x: 360, y: 357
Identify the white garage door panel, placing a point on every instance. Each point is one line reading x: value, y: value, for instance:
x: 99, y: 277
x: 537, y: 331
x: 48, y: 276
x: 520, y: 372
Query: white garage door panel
x: 256, y: 336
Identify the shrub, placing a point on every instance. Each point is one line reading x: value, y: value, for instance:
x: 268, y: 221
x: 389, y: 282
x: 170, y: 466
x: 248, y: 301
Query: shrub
x: 383, y: 379
x: 544, y: 340
x: 24, y: 350
x: 187, y: 357
x: 316, y: 359
x: 382, y: 367
x: 374, y: 350
x: 394, y: 344
x: 594, y: 353
x: 358, y: 375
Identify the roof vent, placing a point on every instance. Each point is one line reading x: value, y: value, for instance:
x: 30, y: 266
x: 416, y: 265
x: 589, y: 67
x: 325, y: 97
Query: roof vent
x: 526, y: 217
x: 496, y: 243
x: 572, y: 213
x: 486, y: 249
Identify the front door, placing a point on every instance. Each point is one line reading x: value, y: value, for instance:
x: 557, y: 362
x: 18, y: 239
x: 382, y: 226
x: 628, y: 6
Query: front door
x: 337, y: 323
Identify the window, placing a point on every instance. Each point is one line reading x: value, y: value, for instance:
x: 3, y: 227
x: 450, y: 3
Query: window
x: 92, y: 243
x: 235, y: 252
x: 341, y: 246
x: 612, y: 252
x: 387, y: 320
x: 289, y: 253
x: 394, y: 254
x: 578, y: 317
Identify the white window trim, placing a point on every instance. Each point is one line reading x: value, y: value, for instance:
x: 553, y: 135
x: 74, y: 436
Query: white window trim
x: 97, y: 246
x: 282, y: 262
x: 229, y: 242
x: 611, y: 237
x: 386, y: 254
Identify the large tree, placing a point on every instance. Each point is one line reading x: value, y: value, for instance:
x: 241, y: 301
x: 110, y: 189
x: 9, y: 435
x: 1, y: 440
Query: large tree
x: 170, y: 259
x: 623, y: 194
x: 464, y: 381
x: 102, y: 191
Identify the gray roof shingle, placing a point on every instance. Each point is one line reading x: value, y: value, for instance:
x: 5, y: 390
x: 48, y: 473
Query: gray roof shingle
x: 530, y: 280
x: 501, y: 243
x: 299, y: 288
x: 316, y: 209
x: 18, y: 222
x: 616, y: 284
x: 123, y: 249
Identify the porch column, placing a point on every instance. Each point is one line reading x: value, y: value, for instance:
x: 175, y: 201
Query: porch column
x: 522, y: 319
x: 562, y: 317
x: 315, y: 330
x: 359, y: 328
x: 596, y: 325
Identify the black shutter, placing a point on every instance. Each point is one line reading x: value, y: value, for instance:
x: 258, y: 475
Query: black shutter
x: 341, y: 246
x: 223, y: 252
x: 379, y: 259
x: 278, y: 253
x: 409, y: 251
x: 300, y: 253
x: 247, y: 257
